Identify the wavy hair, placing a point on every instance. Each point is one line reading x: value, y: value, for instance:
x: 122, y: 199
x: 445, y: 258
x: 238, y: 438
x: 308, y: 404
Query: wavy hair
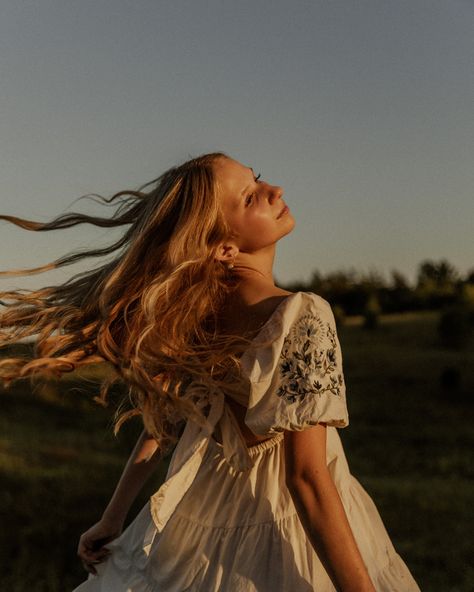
x: 152, y: 311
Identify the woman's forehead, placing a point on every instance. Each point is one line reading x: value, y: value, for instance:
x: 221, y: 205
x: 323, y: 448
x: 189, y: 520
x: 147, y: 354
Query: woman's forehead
x: 232, y: 179
x: 230, y: 171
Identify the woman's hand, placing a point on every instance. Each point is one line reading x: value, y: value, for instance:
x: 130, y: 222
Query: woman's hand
x: 143, y: 461
x: 91, y: 548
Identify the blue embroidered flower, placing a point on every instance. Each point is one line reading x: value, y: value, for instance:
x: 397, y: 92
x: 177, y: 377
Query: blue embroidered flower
x: 308, y: 361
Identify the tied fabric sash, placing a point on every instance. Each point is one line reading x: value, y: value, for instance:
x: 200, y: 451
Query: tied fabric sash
x: 191, y: 448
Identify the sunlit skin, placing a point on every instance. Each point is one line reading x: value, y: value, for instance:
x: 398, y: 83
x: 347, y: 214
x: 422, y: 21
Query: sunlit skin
x: 253, y: 209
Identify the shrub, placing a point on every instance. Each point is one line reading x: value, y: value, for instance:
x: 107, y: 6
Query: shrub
x: 450, y: 379
x: 371, y: 312
x: 339, y: 315
x: 455, y: 326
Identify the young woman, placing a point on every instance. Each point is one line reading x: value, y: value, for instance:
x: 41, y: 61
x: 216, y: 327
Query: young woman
x: 242, y: 378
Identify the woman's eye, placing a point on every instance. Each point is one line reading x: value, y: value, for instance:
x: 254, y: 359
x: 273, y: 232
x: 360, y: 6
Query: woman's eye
x: 249, y: 199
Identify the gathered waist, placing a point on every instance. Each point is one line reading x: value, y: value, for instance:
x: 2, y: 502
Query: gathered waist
x: 254, y: 449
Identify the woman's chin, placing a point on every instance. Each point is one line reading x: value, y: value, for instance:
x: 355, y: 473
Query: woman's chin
x: 289, y: 227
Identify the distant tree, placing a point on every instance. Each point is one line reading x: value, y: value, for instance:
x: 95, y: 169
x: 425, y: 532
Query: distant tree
x: 340, y: 287
x: 340, y: 281
x: 372, y: 280
x: 399, y: 281
x: 440, y: 275
x: 399, y: 295
x: 316, y: 283
x: 437, y: 283
x: 372, y: 312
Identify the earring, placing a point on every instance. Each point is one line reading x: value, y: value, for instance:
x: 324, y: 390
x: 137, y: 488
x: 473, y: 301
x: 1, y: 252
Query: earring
x: 230, y: 265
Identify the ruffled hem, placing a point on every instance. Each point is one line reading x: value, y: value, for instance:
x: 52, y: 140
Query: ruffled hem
x: 250, y: 540
x: 395, y: 577
x: 235, y: 558
x: 387, y: 569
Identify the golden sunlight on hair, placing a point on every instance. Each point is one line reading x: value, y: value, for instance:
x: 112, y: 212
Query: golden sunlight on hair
x: 151, y: 312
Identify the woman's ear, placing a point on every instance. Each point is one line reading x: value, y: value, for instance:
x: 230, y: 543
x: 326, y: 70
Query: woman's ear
x: 226, y: 252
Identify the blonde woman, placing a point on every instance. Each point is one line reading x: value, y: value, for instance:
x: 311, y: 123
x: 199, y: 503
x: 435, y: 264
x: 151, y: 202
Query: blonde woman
x: 242, y: 380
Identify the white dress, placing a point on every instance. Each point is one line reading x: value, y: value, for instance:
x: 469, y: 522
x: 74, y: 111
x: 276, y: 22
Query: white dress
x: 224, y: 520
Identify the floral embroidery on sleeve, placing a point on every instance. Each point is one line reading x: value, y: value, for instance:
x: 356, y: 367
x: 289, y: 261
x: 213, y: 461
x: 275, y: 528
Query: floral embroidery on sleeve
x: 308, y: 362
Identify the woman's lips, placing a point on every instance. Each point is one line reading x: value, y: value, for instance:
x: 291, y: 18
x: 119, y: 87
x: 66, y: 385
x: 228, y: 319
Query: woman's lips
x: 283, y: 212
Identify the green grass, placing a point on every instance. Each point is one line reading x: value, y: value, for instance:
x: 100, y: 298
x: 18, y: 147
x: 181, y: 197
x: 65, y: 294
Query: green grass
x: 409, y: 444
x: 59, y: 461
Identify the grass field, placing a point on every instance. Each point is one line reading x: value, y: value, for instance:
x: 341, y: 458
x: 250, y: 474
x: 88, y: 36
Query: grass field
x: 409, y: 443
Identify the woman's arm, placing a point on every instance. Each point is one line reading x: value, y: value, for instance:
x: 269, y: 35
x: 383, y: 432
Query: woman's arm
x: 321, y: 511
x: 142, y: 462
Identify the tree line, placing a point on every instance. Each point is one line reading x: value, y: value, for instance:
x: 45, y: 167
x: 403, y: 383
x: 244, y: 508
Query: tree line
x: 438, y: 285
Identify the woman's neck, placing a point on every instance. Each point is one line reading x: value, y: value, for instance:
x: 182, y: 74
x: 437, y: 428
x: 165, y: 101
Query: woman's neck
x: 255, y: 267
x: 246, y: 272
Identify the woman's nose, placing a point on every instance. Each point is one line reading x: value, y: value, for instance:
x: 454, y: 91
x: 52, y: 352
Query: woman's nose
x: 275, y: 193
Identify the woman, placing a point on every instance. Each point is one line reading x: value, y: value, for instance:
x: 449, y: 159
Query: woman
x: 246, y: 379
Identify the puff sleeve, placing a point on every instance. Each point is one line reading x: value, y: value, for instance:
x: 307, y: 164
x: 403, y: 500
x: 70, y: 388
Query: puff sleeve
x: 296, y: 377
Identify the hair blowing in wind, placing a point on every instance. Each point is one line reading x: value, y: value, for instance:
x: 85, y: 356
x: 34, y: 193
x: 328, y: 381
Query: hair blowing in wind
x: 150, y: 311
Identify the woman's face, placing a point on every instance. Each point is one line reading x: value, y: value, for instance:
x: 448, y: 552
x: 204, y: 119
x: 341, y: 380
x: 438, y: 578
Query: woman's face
x: 254, y: 209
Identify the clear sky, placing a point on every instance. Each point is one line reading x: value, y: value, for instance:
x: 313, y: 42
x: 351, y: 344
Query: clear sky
x: 362, y: 111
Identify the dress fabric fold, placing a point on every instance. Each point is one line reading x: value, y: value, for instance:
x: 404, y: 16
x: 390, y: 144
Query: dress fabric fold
x: 224, y: 520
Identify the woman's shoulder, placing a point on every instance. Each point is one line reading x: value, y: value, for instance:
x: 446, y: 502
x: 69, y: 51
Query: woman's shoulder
x: 270, y: 308
x: 269, y: 300
x: 301, y: 302
x: 290, y: 304
x: 249, y: 313
x: 290, y: 309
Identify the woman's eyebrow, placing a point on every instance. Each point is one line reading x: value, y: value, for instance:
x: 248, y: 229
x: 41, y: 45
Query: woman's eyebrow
x: 253, y: 175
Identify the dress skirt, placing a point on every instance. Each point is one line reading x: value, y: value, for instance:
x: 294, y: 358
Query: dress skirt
x: 240, y: 532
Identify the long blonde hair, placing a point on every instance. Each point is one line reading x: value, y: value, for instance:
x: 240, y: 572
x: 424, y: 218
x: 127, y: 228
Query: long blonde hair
x: 152, y: 312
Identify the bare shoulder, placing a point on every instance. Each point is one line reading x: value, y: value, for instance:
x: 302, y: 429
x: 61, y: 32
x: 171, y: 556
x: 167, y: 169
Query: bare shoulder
x: 270, y: 299
x: 261, y: 305
x: 247, y: 312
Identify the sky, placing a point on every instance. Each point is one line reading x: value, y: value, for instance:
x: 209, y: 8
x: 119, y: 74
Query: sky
x: 362, y: 111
